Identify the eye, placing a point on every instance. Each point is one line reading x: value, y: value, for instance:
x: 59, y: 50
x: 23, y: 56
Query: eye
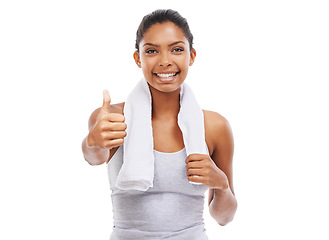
x: 150, y: 51
x: 178, y: 49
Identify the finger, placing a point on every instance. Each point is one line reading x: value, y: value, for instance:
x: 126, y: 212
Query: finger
x: 194, y: 171
x: 117, y: 126
x: 106, y: 101
x: 194, y: 157
x: 106, y: 125
x: 116, y: 117
x: 118, y: 134
x: 114, y: 143
x: 195, y: 164
x: 195, y: 178
x: 112, y: 135
x: 111, y: 117
x: 113, y: 126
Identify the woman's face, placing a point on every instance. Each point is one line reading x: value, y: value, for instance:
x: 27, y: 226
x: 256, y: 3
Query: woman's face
x: 164, y: 56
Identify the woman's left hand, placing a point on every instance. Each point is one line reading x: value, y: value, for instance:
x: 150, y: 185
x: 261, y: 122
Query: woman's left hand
x: 206, y: 170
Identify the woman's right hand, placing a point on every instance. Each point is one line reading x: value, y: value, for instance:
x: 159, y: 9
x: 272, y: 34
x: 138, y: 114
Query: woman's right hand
x: 109, y: 128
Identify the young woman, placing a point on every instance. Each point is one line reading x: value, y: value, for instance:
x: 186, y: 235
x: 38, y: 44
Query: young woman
x: 164, y: 52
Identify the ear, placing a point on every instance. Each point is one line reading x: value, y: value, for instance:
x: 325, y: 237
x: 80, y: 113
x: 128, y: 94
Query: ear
x: 137, y: 59
x: 192, y: 56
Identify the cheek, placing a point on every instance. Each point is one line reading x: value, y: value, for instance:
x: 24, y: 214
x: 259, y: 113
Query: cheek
x: 185, y: 65
x: 185, y: 61
x: 146, y: 71
x: 146, y: 66
x: 147, y: 63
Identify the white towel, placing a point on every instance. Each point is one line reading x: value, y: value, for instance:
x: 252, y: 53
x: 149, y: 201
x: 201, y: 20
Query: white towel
x: 137, y: 171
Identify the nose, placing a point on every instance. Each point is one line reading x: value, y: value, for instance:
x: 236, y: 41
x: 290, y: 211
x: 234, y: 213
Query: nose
x: 165, y: 60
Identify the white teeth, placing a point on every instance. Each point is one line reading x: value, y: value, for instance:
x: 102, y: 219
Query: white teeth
x: 165, y: 75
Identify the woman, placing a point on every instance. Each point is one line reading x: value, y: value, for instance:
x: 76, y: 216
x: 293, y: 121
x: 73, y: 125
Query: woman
x: 164, y: 52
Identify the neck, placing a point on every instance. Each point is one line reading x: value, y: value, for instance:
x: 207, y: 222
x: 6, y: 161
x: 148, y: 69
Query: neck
x: 165, y: 106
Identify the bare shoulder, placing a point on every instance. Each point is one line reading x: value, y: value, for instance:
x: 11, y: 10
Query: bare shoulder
x: 221, y: 138
x: 215, y: 121
x: 217, y: 129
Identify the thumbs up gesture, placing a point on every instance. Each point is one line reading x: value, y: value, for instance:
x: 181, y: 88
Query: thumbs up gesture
x: 109, y: 128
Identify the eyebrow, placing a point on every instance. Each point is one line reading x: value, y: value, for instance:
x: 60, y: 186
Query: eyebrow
x: 172, y: 44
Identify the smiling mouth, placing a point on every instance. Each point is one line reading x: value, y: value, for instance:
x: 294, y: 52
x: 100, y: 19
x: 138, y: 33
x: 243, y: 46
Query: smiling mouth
x: 166, y: 75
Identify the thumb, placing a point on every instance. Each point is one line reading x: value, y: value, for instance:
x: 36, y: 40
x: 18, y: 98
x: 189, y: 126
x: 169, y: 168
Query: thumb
x: 106, y: 101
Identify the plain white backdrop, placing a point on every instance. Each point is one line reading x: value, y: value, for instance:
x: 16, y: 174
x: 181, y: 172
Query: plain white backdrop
x: 263, y: 65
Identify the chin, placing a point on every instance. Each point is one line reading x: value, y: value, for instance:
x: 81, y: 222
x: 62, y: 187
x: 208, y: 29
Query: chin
x: 164, y: 87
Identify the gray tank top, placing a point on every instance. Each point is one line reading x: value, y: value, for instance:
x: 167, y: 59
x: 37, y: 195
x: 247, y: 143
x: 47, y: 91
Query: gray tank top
x: 171, y: 209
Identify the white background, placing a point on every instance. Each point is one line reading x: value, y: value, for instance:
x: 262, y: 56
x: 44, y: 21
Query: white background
x: 261, y: 64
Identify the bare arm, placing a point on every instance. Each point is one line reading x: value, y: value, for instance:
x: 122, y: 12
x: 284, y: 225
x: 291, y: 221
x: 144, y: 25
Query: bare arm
x: 215, y: 172
x: 92, y: 154
x: 222, y: 202
x: 106, y: 131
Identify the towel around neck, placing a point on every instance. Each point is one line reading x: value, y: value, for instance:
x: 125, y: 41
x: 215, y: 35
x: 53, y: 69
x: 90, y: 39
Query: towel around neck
x: 137, y: 171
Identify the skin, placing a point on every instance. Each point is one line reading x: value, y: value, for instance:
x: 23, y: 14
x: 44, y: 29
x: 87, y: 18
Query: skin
x: 165, y: 49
